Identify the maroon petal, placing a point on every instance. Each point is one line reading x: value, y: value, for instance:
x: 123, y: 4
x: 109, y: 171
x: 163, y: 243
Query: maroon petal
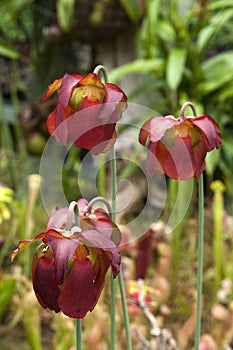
x: 100, y: 267
x: 63, y: 250
x: 154, y: 164
x: 45, y: 287
x: 99, y: 139
x: 210, y: 129
x: 108, y: 229
x: 144, y: 254
x: 79, y: 294
x: 200, y: 154
x: 144, y: 132
x: 61, y: 130
x: 98, y: 240
x: 113, y: 94
x: 180, y: 163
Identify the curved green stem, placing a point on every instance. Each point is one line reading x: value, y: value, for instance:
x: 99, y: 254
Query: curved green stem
x: 200, y: 260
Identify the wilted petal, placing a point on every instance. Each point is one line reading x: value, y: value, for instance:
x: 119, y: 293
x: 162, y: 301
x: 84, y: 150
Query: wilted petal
x: 79, y: 294
x: 24, y: 244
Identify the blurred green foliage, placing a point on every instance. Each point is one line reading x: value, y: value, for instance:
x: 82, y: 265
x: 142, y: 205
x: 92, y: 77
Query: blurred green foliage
x: 185, y: 52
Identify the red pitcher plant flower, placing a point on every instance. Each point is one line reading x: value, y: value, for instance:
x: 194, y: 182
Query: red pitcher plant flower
x: 70, y: 265
x: 87, y: 111
x: 178, y: 147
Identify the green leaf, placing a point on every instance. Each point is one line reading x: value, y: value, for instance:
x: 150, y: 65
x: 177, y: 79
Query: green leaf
x: 216, y: 71
x: 227, y: 91
x: 7, y: 289
x: 208, y: 32
x: 212, y: 160
x: 138, y: 66
x: 220, y: 4
x: 175, y: 67
x: 227, y: 145
x: 65, y: 11
x: 152, y: 14
x: 8, y: 50
x: 14, y: 5
x: 132, y: 9
x: 165, y: 31
x: 146, y: 87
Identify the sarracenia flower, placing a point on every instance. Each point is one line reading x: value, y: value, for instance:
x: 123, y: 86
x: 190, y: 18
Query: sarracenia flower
x: 178, y: 147
x: 69, y: 267
x: 87, y: 111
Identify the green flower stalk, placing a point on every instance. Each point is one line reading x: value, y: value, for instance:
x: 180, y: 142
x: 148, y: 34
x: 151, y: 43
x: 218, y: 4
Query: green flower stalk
x: 177, y: 148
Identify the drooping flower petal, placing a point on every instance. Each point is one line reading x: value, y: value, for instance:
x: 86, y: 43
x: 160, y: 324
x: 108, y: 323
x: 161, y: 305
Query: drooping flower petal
x: 210, y: 129
x: 87, y: 112
x: 69, y: 268
x: 180, y: 162
x: 25, y: 243
x: 96, y: 239
x: 63, y: 250
x: 114, y: 94
x: 178, y: 147
x: 79, y: 294
x: 44, y: 284
x: 68, y: 84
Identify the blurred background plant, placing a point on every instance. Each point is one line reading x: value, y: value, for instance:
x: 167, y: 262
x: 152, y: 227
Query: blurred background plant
x: 162, y: 53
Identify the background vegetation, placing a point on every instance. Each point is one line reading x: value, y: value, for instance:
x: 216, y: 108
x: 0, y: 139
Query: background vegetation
x: 183, y: 51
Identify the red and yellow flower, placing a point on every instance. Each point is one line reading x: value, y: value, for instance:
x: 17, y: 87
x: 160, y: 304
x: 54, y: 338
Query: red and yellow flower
x: 178, y: 147
x: 87, y: 111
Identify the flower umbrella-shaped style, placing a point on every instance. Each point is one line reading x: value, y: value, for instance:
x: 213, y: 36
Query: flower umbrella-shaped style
x: 69, y: 267
x: 87, y: 111
x: 178, y: 147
